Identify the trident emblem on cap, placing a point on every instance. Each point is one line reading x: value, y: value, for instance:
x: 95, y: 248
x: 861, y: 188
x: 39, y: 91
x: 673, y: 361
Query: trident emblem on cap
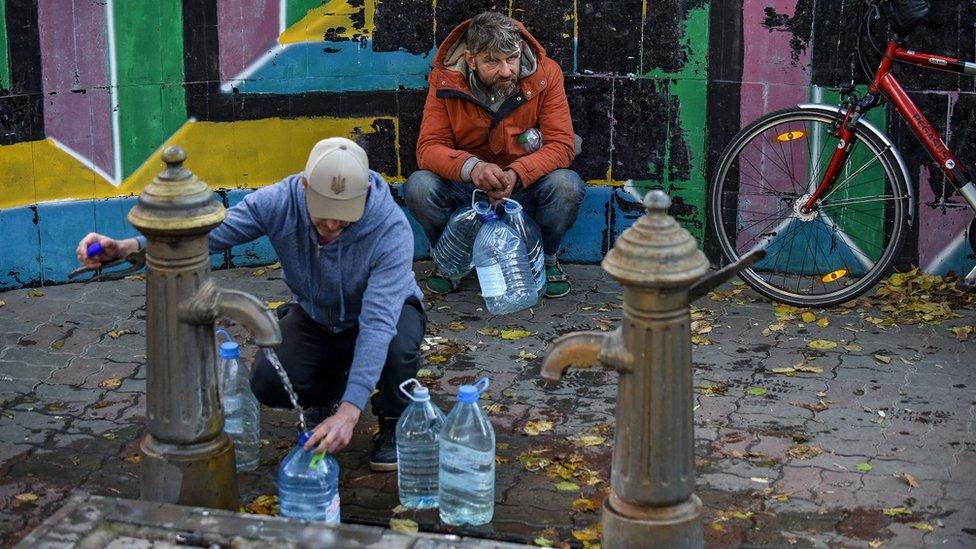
x: 338, y: 184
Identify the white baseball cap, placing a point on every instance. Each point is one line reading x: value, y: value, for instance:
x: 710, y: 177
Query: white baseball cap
x: 337, y: 173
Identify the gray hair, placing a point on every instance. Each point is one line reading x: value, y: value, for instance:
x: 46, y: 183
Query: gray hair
x: 494, y: 33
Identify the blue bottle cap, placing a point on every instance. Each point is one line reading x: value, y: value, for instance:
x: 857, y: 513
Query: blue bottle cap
x: 489, y: 216
x: 468, y: 394
x: 94, y: 249
x: 303, y: 438
x: 230, y: 349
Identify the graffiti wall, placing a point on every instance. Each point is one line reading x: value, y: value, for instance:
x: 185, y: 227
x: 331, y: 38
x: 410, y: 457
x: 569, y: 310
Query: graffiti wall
x: 91, y: 91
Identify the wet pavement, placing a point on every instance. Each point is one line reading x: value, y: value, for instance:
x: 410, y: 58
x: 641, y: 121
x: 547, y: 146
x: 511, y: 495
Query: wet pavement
x: 809, y: 433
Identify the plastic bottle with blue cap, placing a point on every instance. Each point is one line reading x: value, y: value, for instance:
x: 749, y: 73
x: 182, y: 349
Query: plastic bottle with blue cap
x: 531, y: 235
x: 466, y: 494
x: 502, y: 263
x: 452, y: 252
x: 417, y: 434
x: 308, y: 484
x: 241, y: 408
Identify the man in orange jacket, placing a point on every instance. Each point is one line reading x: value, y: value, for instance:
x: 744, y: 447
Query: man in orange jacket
x: 490, y: 83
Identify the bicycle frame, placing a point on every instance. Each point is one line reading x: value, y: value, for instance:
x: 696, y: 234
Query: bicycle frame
x: 885, y: 82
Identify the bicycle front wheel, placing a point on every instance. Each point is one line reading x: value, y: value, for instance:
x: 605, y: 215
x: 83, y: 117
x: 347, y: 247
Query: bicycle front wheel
x: 840, y: 248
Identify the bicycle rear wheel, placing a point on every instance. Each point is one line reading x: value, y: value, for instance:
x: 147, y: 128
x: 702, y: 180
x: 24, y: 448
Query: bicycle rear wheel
x: 838, y: 250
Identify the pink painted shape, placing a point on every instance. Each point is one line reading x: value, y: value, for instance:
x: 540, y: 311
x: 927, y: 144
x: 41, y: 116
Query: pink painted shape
x: 936, y: 229
x: 769, y: 79
x: 74, y: 76
x: 246, y: 29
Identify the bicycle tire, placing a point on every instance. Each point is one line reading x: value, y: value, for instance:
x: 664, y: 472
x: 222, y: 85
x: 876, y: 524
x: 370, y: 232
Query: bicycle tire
x: 851, y: 237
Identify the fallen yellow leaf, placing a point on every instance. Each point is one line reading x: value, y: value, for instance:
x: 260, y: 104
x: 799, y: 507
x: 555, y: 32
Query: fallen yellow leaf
x: 924, y: 526
x: 527, y: 356
x: 822, y: 344
x: 806, y: 368
x: 133, y: 458
x: 115, y: 334
x: 456, y: 326
x: 823, y: 322
x: 34, y: 293
x: 875, y: 543
x: 488, y: 331
x: 585, y: 505
x: 588, y: 534
x: 264, y: 505
x: 852, y: 347
x: 884, y: 359
x: 514, y: 335
x: 586, y: 440
x: 808, y: 317
x: 543, y: 542
x: 26, y: 497
x: 537, y: 426
x: 403, y: 525
x: 275, y: 266
x: 424, y: 372
x: 275, y: 304
x: 110, y: 383
x: 2, y: 303
x: 258, y: 272
x: 896, y: 511
x: 566, y: 486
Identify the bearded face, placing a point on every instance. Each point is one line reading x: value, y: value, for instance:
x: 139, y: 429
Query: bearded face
x: 498, y: 72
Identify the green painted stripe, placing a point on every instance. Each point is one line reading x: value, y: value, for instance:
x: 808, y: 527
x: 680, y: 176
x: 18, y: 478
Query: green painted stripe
x: 296, y: 9
x: 4, y: 57
x: 149, y: 61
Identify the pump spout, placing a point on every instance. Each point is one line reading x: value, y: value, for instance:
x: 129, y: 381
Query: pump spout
x: 210, y: 302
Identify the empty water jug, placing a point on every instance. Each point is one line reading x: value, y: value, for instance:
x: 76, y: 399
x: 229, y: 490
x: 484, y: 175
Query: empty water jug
x: 503, y: 268
x: 417, y: 433
x: 467, y: 461
x: 527, y: 229
x: 452, y: 253
x: 241, y: 408
x: 308, y: 484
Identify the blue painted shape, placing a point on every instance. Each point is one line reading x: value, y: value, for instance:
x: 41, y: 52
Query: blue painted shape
x: 20, y: 259
x: 586, y: 239
x: 809, y: 248
x: 258, y: 252
x: 348, y: 66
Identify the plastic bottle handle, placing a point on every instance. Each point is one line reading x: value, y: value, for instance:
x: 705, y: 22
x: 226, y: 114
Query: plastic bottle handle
x: 408, y: 393
x: 478, y: 385
x: 226, y: 335
x: 473, y: 194
x: 513, y: 202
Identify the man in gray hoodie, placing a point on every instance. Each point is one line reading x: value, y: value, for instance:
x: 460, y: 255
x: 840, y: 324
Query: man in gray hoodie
x: 357, y: 319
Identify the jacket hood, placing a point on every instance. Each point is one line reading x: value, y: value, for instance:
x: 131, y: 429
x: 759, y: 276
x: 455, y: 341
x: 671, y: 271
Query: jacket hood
x: 450, y: 54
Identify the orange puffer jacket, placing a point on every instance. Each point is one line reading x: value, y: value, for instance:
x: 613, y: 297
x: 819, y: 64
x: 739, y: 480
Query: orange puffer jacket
x: 457, y: 126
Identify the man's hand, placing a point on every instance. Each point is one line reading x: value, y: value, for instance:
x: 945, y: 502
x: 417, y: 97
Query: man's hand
x: 111, y: 249
x: 333, y: 434
x: 509, y: 178
x: 488, y: 177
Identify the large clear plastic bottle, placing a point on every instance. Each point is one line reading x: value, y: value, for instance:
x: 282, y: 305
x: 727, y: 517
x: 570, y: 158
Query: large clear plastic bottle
x: 241, y: 408
x: 452, y: 253
x: 527, y: 229
x: 308, y: 484
x: 467, y: 461
x: 417, y: 434
x: 503, y: 268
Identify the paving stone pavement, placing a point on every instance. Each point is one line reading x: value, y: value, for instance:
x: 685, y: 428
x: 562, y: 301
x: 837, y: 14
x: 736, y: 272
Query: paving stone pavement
x: 72, y: 406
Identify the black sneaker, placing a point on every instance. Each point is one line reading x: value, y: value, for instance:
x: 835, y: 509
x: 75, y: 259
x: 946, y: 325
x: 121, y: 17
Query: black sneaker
x: 384, y: 454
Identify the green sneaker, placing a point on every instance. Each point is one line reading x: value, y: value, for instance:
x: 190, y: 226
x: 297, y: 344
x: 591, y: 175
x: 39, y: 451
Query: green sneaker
x: 557, y: 285
x: 440, y: 284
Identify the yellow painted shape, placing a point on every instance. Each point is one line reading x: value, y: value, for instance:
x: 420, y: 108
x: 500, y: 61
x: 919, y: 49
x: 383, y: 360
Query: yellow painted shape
x: 228, y: 155
x: 333, y: 15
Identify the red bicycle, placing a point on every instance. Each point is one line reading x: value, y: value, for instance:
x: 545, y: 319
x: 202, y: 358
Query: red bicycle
x: 826, y: 192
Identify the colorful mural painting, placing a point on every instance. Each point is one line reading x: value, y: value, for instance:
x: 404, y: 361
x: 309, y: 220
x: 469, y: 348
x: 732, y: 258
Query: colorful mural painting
x: 91, y: 91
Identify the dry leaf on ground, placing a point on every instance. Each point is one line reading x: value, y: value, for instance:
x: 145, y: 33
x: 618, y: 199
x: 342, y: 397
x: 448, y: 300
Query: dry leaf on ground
x: 264, y: 505
x: 456, y: 326
x: 115, y: 334
x: 110, y: 383
x: 515, y: 334
x: 585, y: 505
x: 535, y: 427
x: 804, y: 451
x: 26, y: 497
x: 822, y: 344
x: 404, y: 525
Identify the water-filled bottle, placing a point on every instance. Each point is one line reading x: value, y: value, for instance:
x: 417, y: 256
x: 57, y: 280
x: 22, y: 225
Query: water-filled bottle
x: 531, y: 139
x: 308, y: 484
x: 417, y: 433
x: 467, y: 461
x: 527, y: 229
x: 241, y: 408
x: 452, y: 253
x: 503, y: 268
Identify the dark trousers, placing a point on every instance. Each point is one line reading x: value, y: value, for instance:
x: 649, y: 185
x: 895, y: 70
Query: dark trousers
x: 317, y: 361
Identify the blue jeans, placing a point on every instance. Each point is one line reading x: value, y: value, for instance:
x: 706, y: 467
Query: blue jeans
x: 552, y: 202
